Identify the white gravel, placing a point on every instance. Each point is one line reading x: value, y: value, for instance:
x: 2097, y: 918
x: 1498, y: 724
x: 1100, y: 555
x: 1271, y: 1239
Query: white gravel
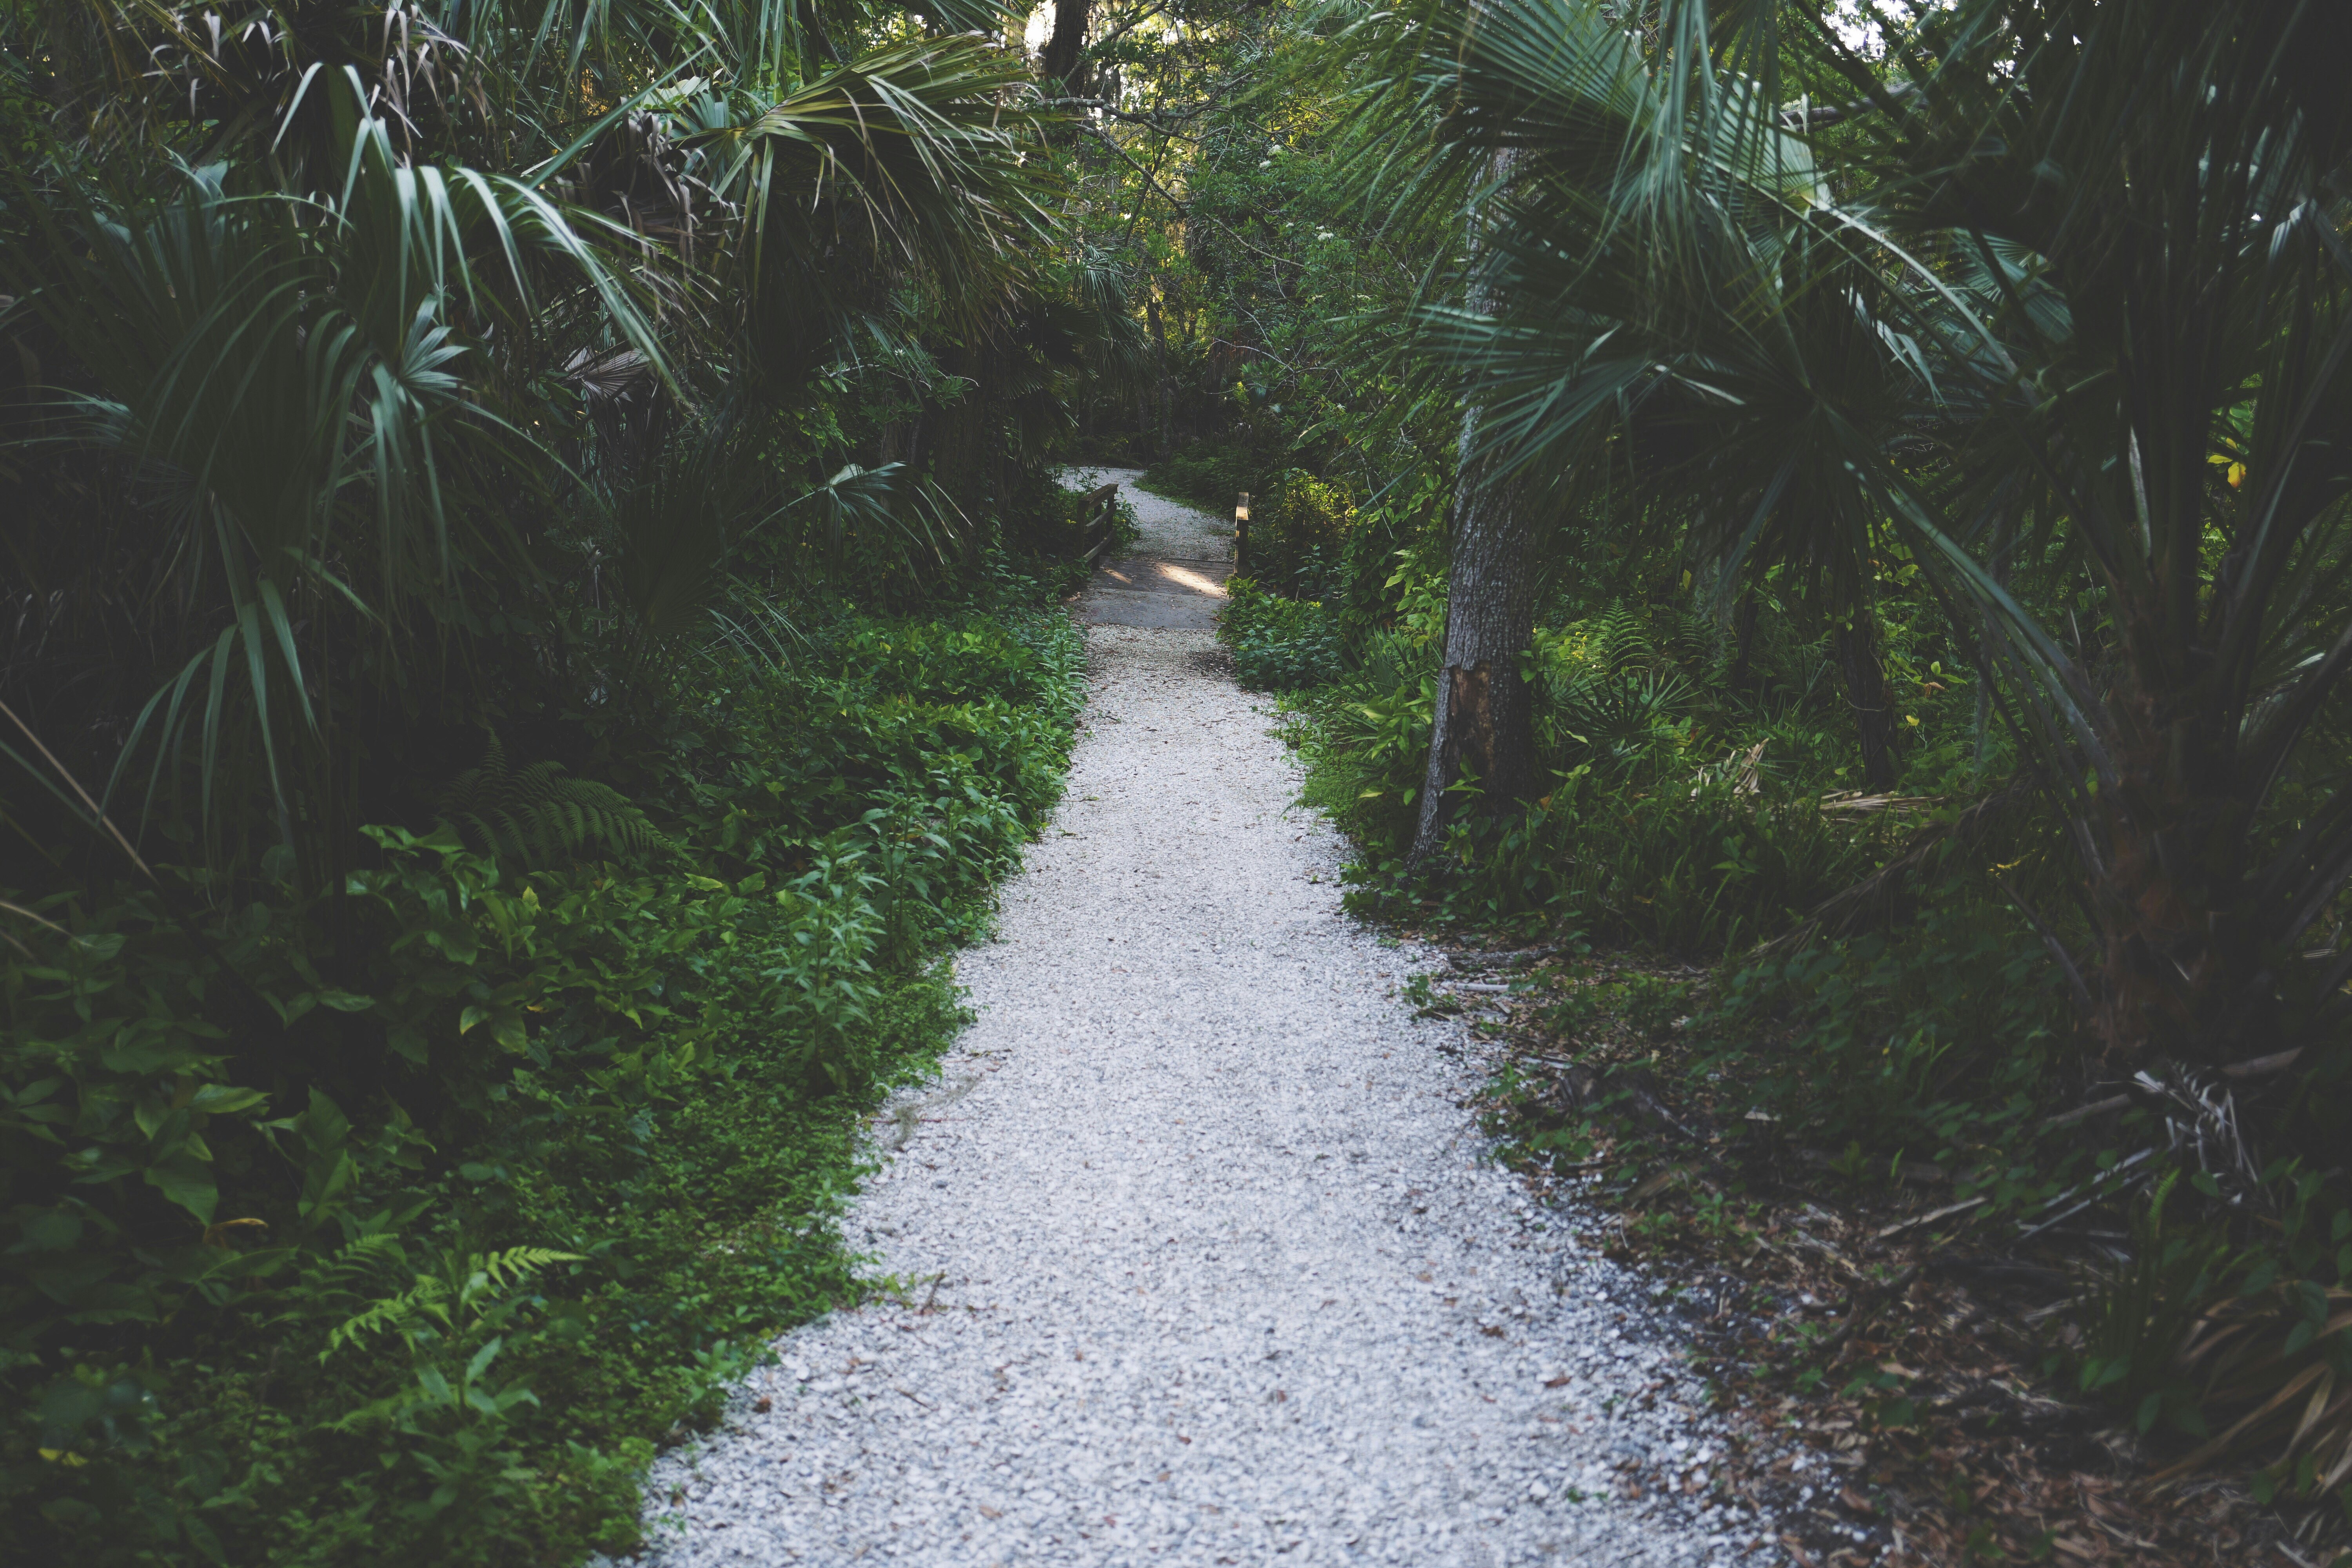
x: 1198, y: 1259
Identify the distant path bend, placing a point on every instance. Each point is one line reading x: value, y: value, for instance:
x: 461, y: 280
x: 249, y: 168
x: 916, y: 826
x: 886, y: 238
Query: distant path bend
x: 1173, y: 577
x: 1203, y: 1265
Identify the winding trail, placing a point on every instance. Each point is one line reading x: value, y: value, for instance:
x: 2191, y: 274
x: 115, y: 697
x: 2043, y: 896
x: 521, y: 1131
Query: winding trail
x: 1200, y: 1260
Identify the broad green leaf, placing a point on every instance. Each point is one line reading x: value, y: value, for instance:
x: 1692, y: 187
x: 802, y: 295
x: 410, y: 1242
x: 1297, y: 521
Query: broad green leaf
x: 187, y: 1181
x: 221, y: 1100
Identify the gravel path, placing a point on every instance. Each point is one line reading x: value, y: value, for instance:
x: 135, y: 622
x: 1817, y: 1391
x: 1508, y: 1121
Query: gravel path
x: 1200, y: 1260
x: 1173, y: 578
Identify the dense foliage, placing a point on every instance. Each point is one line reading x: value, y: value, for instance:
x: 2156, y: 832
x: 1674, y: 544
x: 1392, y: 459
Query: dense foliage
x: 512, y: 515
x: 1922, y: 445
x: 531, y: 543
x: 571, y: 1129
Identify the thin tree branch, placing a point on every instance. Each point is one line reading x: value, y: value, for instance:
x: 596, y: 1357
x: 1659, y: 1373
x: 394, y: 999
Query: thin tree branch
x: 1105, y: 137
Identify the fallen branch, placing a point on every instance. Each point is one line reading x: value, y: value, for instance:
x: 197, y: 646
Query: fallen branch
x: 1930, y: 1217
x: 1517, y: 959
x: 2085, y: 1113
x: 2002, y: 1271
x: 2263, y: 1067
x: 2098, y: 1184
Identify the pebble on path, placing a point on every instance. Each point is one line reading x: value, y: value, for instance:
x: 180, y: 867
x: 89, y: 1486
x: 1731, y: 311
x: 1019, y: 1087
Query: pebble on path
x: 1204, y: 1261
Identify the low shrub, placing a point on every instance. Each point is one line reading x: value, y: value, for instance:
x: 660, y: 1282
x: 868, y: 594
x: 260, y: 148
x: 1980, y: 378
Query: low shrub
x: 1938, y: 1034
x: 1296, y: 529
x: 1208, y: 473
x: 1277, y: 644
x: 1671, y: 815
x: 398, y: 1225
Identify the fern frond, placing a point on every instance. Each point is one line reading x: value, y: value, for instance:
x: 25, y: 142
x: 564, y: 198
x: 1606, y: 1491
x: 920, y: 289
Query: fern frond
x: 361, y: 1272
x: 393, y: 1313
x: 366, y: 1257
x: 464, y: 1280
x: 538, y: 812
x: 505, y: 1270
x: 1616, y: 638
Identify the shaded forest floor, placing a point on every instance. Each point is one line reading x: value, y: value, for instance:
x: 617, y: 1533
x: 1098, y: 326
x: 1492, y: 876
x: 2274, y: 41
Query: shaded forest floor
x: 1909, y: 1342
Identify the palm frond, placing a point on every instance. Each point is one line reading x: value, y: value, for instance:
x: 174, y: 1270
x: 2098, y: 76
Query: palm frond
x: 2019, y: 341
x: 914, y: 155
x: 289, y: 375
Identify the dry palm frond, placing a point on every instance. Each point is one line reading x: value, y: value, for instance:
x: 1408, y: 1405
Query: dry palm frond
x: 2200, y: 1123
x: 1743, y: 769
x: 2278, y: 1365
x: 1859, y: 803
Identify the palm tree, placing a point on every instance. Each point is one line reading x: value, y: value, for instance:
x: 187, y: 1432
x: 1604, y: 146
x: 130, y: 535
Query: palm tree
x: 349, y: 370
x: 2172, y: 176
x: 1482, y: 732
x: 2077, y: 266
x: 291, y: 375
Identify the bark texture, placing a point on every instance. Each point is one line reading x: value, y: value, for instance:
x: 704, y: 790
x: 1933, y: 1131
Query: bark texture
x: 2184, y: 974
x: 1485, y: 720
x: 1064, y: 44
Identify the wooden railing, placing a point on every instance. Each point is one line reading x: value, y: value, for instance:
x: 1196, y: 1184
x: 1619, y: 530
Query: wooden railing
x: 1102, y: 521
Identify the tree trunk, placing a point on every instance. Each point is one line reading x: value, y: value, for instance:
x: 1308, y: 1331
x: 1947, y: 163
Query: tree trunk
x: 1159, y: 344
x: 901, y: 440
x: 1866, y: 689
x: 2184, y: 974
x: 1066, y: 44
x: 1485, y: 724
x: 1485, y: 719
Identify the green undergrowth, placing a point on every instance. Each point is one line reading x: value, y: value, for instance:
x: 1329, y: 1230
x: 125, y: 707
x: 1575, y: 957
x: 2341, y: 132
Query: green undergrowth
x: 1698, y: 808
x: 1277, y: 644
x: 1208, y: 473
x: 1698, y: 802
x: 1693, y: 800
x: 402, y: 1225
x: 1051, y: 527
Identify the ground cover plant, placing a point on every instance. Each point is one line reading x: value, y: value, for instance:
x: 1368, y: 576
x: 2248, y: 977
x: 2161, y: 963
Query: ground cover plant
x: 579, y: 1117
x: 1208, y: 473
